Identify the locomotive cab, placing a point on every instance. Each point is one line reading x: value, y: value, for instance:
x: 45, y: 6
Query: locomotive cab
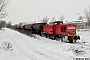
x: 60, y: 31
x: 69, y: 33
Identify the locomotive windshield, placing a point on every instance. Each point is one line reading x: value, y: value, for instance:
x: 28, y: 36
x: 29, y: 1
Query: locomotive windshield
x: 71, y: 27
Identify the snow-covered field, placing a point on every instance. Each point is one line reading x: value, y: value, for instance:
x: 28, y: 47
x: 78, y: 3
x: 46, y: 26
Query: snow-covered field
x: 17, y: 46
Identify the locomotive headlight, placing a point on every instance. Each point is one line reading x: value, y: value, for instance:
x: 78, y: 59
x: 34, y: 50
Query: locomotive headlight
x: 68, y: 33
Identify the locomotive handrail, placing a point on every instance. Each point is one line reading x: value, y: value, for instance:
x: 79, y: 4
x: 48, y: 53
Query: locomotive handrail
x: 73, y: 33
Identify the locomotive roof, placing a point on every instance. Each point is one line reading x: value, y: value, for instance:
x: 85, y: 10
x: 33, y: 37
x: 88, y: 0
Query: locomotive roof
x: 67, y: 24
x: 40, y: 23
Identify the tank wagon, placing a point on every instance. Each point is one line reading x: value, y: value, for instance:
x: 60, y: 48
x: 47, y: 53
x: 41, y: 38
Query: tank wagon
x: 27, y: 27
x: 37, y: 28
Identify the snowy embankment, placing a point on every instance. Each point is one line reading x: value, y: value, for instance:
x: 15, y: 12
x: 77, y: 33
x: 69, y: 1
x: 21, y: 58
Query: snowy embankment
x: 17, y: 46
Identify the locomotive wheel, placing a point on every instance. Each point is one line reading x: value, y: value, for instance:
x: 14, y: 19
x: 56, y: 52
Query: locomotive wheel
x: 52, y: 37
x: 57, y: 39
x: 62, y: 38
x: 67, y: 41
x: 48, y: 36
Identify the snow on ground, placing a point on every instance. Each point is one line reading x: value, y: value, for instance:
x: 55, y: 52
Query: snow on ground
x: 17, y: 46
x: 85, y: 35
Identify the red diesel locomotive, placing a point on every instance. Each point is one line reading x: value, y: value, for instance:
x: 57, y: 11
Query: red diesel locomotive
x: 60, y: 31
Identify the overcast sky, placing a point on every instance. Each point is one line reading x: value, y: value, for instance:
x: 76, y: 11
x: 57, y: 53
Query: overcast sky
x: 33, y: 10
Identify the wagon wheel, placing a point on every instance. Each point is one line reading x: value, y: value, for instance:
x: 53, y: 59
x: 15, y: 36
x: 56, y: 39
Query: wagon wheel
x: 42, y: 34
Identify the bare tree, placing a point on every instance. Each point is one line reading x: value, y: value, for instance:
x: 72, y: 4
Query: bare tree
x: 2, y: 24
x: 53, y: 19
x: 3, y: 13
x: 45, y: 20
x: 80, y: 18
x: 61, y: 18
x: 87, y: 15
x: 3, y: 4
x: 9, y: 24
x: 20, y: 23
